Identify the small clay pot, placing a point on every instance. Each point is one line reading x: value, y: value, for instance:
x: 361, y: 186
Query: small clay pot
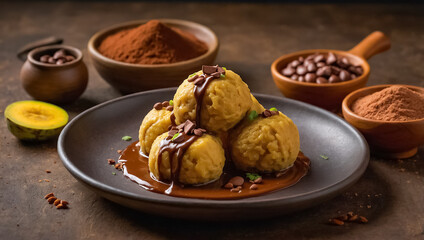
x: 60, y: 84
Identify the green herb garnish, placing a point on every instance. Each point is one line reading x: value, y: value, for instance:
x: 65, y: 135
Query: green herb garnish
x: 253, y: 176
x: 171, y: 102
x: 175, y: 136
x: 273, y: 109
x: 253, y: 115
x: 222, y: 76
x: 126, y: 138
x: 113, y: 173
x: 323, y: 157
x: 191, y: 75
x: 224, y: 68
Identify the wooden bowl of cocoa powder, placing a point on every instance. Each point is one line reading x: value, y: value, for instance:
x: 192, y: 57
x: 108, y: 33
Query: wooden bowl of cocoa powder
x: 392, y: 120
x: 139, y: 65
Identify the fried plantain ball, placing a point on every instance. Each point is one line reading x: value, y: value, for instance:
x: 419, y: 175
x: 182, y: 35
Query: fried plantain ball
x: 225, y: 103
x: 265, y: 144
x: 203, y: 161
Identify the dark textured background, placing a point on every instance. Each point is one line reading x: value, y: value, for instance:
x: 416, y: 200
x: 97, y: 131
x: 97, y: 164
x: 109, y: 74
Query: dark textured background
x: 252, y: 35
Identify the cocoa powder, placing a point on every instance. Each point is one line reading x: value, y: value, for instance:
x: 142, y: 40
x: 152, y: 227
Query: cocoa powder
x: 152, y: 43
x: 395, y: 103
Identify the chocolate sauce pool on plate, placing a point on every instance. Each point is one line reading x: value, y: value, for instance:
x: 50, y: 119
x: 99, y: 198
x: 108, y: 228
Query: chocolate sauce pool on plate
x: 136, y: 168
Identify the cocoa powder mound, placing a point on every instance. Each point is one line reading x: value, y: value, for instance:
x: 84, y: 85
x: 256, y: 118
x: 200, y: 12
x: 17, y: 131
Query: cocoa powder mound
x: 152, y: 43
x: 395, y: 103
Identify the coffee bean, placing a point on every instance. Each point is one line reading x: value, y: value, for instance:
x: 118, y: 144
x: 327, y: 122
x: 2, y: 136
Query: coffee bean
x: 237, y: 181
x: 324, y: 71
x: 165, y: 104
x: 319, y: 58
x: 70, y: 58
x: 157, y: 106
x: 331, y: 58
x: 311, y: 57
x: 335, y: 70
x: 288, y: 71
x: 254, y: 187
x: 295, y: 63
x: 322, y: 80
x: 333, y: 79
x: 359, y: 70
x: 60, y: 61
x: 51, y: 60
x: 344, y: 75
x: 320, y: 64
x: 307, y: 62
x: 330, y: 67
x: 310, y: 77
x: 170, y: 108
x: 44, y: 58
x: 301, y: 70
x: 342, y: 64
x: 311, y: 67
x: 59, y: 54
x: 229, y: 186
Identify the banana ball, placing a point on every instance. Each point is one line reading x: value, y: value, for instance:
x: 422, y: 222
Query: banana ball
x: 256, y: 105
x: 154, y: 124
x: 268, y: 144
x: 225, y: 103
x: 203, y: 161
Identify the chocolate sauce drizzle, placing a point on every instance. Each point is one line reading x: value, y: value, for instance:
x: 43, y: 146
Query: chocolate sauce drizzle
x: 177, y: 146
x: 176, y: 152
x: 200, y: 85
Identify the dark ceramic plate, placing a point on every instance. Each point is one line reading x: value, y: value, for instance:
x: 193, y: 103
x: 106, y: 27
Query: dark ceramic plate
x: 95, y: 135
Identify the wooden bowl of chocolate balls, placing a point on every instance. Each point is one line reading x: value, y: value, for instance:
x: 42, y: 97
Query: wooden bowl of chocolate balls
x: 323, y: 77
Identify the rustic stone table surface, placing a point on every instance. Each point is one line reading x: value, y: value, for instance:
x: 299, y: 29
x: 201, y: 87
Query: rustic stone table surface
x: 390, y: 194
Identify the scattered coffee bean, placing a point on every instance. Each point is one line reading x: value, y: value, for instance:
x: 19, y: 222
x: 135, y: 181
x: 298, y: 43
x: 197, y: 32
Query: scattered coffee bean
x: 326, y: 68
x: 254, y: 187
x: 59, y: 57
x: 229, y: 186
x: 165, y: 104
x: 237, y: 181
x: 157, y: 106
x: 258, y: 180
x: 170, y: 108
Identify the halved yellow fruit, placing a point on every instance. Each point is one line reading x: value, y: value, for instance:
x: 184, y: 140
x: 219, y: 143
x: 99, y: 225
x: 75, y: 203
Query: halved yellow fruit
x: 35, y: 120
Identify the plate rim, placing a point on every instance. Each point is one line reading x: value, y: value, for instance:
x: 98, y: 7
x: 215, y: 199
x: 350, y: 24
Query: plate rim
x: 231, y: 203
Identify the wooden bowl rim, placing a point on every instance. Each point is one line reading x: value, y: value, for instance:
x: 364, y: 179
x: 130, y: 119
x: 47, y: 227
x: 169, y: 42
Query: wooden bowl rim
x: 346, y: 109
x: 114, y: 28
x: 282, y: 78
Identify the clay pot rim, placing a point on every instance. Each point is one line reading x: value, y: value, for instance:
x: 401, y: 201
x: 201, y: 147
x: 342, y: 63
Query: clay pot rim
x: 280, y: 77
x: 73, y: 50
x: 100, y: 35
x: 353, y: 96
